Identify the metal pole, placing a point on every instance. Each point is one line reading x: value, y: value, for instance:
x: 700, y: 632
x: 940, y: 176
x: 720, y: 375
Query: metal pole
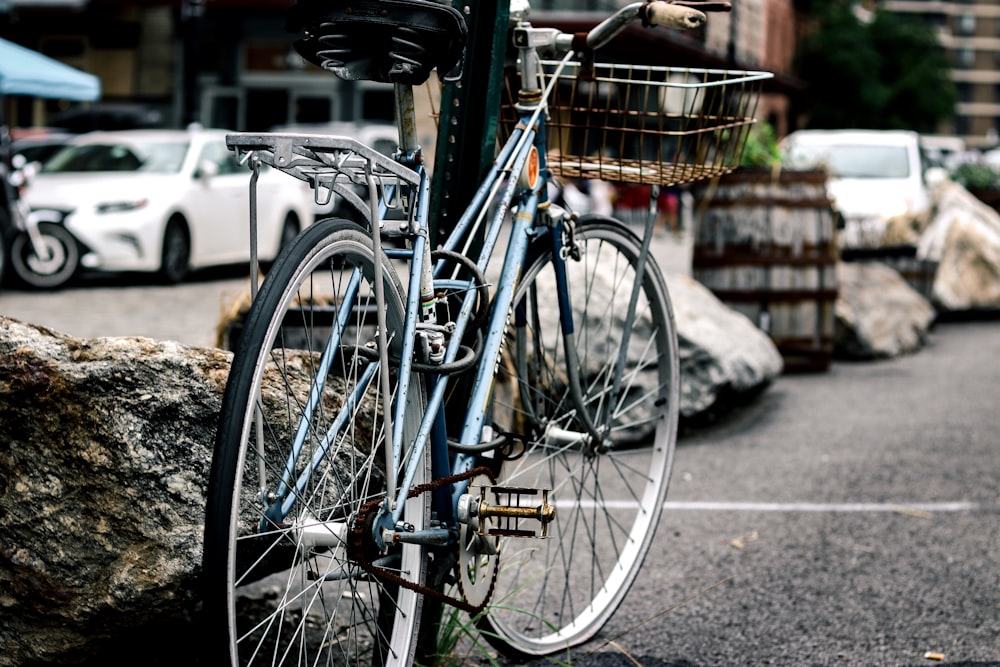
x: 469, y: 109
x: 466, y: 142
x: 192, y: 17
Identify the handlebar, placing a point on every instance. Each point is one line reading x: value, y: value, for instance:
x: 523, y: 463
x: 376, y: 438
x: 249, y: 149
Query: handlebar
x: 680, y: 14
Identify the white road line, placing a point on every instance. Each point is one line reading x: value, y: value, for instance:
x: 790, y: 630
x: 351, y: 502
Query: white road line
x: 959, y: 506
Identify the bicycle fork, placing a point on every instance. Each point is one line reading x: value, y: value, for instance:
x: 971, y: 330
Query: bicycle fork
x: 24, y: 219
x: 595, y: 435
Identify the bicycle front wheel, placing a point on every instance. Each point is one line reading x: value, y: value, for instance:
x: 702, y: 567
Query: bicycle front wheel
x: 558, y: 592
x: 300, y: 467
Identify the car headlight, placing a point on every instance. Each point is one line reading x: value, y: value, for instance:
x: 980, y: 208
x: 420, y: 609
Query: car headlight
x: 121, y: 206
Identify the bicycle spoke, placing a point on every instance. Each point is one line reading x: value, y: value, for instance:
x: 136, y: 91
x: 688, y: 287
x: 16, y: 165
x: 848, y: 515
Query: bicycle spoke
x: 296, y: 590
x: 561, y: 591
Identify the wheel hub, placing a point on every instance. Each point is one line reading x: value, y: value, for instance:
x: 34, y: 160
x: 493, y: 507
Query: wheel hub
x: 45, y: 266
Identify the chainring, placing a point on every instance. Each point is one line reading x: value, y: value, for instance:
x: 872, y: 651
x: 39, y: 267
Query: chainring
x: 478, y: 559
x: 360, y: 547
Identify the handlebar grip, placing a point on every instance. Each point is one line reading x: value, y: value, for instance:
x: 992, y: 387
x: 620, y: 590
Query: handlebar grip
x: 706, y: 5
x: 672, y: 15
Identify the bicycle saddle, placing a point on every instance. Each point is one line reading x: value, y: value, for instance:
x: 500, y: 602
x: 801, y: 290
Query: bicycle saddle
x: 392, y: 41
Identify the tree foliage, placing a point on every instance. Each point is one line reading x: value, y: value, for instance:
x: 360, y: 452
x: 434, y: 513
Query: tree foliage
x: 888, y: 72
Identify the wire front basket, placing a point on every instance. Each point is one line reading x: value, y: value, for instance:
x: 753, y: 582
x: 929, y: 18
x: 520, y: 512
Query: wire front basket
x: 644, y: 124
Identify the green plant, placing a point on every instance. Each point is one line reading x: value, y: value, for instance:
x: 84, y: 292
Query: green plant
x: 887, y: 71
x: 974, y: 175
x: 456, y: 629
x: 761, y: 149
x: 461, y: 640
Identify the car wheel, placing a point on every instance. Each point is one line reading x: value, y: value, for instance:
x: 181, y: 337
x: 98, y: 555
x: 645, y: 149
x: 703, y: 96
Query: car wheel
x: 61, y: 263
x: 4, y: 226
x: 289, y: 230
x: 175, y: 259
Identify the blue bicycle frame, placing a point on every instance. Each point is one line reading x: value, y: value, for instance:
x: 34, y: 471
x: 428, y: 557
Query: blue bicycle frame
x: 526, y: 143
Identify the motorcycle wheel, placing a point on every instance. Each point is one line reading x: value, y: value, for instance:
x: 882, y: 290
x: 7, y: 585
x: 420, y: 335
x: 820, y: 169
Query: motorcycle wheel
x: 62, y: 264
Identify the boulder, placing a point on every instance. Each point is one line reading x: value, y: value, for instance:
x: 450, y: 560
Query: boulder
x: 877, y: 314
x: 104, y: 461
x: 724, y: 357
x: 963, y: 237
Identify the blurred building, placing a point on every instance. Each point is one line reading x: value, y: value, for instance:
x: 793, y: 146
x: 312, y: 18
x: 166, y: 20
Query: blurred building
x: 230, y: 63
x: 762, y: 34
x: 756, y: 34
x: 223, y: 63
x: 969, y: 31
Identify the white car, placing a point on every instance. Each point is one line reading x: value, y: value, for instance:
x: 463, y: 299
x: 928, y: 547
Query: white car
x: 875, y: 175
x: 164, y: 201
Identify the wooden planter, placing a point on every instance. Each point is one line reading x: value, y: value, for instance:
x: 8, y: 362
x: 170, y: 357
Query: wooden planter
x: 765, y: 245
x: 989, y: 196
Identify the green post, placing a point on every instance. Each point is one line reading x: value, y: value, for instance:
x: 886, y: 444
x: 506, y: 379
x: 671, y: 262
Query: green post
x: 466, y: 144
x: 467, y: 127
x: 468, y: 120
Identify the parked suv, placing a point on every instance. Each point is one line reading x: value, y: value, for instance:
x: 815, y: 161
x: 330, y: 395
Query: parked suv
x: 875, y: 175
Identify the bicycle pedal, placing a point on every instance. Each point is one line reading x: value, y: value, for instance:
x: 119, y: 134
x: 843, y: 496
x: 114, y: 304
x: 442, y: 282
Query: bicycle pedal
x: 507, y: 511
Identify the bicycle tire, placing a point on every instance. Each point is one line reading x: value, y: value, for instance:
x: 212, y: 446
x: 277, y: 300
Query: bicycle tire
x: 558, y: 592
x: 281, y: 590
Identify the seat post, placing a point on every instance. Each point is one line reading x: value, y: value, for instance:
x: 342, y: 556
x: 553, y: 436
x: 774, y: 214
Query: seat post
x: 406, y: 118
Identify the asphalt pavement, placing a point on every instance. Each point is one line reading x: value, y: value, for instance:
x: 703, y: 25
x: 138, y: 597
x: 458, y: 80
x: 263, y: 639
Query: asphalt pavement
x: 850, y: 517
x: 94, y: 305
x: 845, y: 518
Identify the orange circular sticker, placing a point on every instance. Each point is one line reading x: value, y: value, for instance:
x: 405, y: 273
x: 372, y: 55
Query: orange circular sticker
x: 529, y: 175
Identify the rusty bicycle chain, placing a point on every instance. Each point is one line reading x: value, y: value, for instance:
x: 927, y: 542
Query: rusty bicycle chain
x: 361, y: 523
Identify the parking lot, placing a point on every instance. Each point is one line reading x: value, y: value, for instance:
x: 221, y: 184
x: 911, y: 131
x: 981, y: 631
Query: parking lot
x: 133, y: 305
x: 844, y: 518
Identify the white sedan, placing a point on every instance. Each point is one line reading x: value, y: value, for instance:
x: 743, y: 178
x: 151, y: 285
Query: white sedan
x: 164, y: 201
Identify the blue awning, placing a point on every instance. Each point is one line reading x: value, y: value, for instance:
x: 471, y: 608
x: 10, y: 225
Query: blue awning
x: 27, y: 72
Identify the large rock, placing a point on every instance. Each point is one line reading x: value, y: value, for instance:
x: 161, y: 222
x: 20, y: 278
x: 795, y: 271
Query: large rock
x: 964, y: 239
x: 104, y: 458
x: 724, y: 358
x: 877, y: 314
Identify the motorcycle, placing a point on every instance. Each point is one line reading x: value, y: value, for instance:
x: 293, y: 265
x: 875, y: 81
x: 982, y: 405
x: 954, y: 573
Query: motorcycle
x: 41, y: 251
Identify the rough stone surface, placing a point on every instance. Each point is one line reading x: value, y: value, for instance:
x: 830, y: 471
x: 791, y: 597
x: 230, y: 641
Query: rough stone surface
x: 963, y: 237
x: 104, y: 458
x: 724, y: 357
x: 877, y: 314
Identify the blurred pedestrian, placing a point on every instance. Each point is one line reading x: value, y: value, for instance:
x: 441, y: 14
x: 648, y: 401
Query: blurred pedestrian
x: 668, y: 206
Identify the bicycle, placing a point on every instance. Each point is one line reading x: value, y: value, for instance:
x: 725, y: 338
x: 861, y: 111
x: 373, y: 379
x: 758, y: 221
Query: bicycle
x: 399, y: 427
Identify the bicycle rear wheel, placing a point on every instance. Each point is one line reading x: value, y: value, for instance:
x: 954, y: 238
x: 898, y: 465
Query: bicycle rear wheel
x: 299, y: 460
x: 558, y: 592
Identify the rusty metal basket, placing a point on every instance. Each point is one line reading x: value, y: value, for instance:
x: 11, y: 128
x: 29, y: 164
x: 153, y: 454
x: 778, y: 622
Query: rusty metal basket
x: 644, y: 124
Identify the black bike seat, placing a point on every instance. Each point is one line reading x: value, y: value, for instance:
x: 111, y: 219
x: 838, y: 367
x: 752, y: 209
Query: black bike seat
x: 392, y: 41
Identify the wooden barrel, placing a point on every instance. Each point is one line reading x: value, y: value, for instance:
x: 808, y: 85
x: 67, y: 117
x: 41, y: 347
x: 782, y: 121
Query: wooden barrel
x: 765, y: 245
